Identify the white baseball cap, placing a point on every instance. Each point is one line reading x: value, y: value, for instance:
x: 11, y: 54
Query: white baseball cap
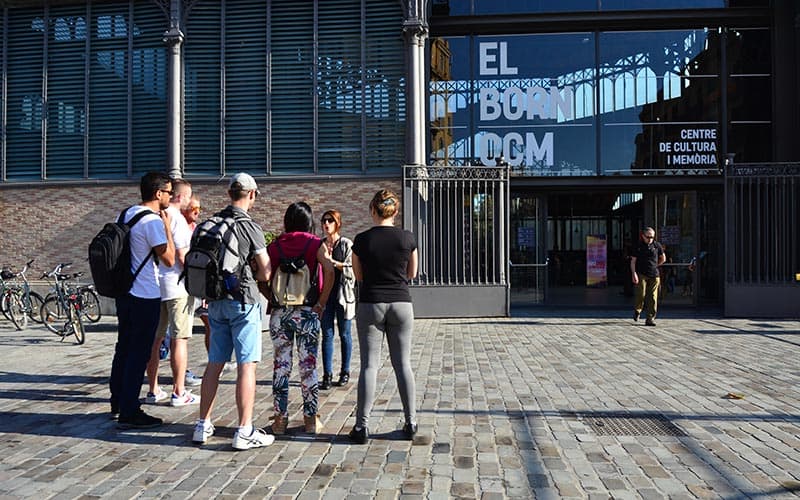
x: 243, y: 181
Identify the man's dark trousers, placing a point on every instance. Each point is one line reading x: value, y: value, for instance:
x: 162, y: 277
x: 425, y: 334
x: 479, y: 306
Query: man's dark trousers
x: 137, y: 322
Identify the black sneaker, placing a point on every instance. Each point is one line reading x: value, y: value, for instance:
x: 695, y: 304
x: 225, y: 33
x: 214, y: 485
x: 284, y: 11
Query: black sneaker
x: 326, y: 381
x: 409, y: 430
x: 359, y: 436
x: 114, y: 411
x: 650, y: 322
x: 636, y: 315
x: 344, y: 378
x: 139, y: 420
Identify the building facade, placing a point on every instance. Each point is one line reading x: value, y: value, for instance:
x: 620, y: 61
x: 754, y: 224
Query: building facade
x: 531, y: 140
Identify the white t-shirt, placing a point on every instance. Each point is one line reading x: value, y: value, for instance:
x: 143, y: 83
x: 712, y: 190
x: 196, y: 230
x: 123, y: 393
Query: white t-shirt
x: 168, y: 276
x: 145, y: 234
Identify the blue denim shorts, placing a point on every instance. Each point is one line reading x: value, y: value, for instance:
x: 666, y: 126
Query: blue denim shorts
x: 234, y: 330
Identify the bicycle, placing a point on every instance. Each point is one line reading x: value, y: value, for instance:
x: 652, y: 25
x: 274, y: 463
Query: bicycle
x: 5, y: 274
x: 19, y: 301
x: 63, y: 305
x: 90, y: 303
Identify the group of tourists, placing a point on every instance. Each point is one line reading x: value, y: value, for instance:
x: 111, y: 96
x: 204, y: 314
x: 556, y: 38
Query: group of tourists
x: 382, y: 260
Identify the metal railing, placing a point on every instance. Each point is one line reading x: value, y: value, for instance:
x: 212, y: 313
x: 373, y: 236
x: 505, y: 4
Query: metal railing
x: 459, y: 217
x: 762, y: 217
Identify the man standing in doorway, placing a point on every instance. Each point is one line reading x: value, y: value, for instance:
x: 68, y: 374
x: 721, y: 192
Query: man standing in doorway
x: 646, y: 257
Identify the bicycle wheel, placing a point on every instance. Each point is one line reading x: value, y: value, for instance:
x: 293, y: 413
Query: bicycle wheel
x: 90, y: 305
x: 5, y: 299
x: 53, y: 315
x: 17, y: 312
x: 4, y: 304
x: 76, y: 320
x: 35, y: 309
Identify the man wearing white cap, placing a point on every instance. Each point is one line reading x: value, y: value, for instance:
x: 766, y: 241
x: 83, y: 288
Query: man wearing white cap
x: 236, y: 322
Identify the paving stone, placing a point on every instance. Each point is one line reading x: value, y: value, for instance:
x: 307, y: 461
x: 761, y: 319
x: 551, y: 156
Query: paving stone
x: 518, y: 443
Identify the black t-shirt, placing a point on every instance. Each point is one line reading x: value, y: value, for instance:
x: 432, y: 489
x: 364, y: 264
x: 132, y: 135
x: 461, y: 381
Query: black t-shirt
x: 384, y: 252
x: 647, y: 257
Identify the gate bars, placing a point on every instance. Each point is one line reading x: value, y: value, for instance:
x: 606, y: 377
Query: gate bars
x: 762, y: 214
x: 459, y: 216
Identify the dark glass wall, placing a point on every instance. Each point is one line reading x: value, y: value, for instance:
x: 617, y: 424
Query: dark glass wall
x: 607, y: 103
x: 483, y: 7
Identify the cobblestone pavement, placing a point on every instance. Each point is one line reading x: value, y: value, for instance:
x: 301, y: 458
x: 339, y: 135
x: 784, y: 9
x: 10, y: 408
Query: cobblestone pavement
x: 573, y: 404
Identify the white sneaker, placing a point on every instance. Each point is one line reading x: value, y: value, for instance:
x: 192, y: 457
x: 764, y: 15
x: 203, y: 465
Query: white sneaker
x: 230, y: 366
x: 192, y: 380
x: 202, y: 432
x: 257, y: 439
x: 187, y: 398
x: 159, y: 396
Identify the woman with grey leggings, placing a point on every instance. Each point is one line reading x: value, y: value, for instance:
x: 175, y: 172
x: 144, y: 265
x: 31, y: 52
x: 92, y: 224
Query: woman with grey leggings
x: 384, y: 259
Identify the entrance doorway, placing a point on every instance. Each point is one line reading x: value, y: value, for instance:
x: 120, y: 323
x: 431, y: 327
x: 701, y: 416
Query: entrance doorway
x: 572, y: 249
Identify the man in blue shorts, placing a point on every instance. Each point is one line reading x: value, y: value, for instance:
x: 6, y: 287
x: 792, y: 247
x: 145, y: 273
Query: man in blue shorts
x: 236, y: 323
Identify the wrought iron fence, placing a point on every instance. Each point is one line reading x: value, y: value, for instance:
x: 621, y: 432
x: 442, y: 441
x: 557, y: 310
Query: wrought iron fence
x: 459, y: 217
x: 762, y: 219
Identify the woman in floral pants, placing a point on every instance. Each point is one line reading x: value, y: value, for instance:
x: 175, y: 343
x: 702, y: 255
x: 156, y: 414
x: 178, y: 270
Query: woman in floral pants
x: 299, y: 325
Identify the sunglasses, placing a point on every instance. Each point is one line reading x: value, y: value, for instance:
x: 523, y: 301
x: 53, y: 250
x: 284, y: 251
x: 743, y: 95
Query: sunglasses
x: 327, y: 220
x: 170, y: 192
x: 196, y: 209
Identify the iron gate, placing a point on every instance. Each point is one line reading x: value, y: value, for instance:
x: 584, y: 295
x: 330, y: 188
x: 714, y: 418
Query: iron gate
x: 459, y: 217
x: 762, y: 242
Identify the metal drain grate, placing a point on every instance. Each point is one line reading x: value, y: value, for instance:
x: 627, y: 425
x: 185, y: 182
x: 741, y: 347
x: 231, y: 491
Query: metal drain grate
x: 626, y: 424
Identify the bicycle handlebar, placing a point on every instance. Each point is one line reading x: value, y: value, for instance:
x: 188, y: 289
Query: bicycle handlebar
x: 57, y: 270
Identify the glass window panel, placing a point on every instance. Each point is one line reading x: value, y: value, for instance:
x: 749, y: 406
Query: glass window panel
x: 292, y: 68
x: 750, y: 142
x: 750, y: 98
x: 535, y: 113
x: 25, y: 103
x: 385, y: 98
x: 660, y: 4
x: 202, y: 90
x: 749, y: 51
x: 340, y: 98
x: 66, y: 117
x: 245, y: 87
x: 659, y: 101
x: 655, y: 148
x: 451, y: 96
x: 532, y: 6
x: 150, y: 75
x: 108, y: 91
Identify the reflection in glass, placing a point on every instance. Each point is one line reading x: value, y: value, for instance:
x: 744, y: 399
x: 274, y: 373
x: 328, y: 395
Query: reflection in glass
x: 660, y: 4
x: 660, y: 104
x: 529, y: 111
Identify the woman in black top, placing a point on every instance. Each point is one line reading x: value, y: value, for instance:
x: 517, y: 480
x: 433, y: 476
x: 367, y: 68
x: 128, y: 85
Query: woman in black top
x: 384, y: 259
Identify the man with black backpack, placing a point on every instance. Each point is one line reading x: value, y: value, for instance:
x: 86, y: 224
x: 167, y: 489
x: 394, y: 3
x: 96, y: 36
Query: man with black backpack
x: 138, y: 310
x: 227, y: 257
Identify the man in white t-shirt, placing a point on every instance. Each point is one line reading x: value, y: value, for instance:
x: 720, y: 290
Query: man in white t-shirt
x: 138, y: 311
x: 177, y: 308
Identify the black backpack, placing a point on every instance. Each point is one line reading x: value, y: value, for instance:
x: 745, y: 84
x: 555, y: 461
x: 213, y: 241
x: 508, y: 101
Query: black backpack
x: 110, y: 256
x: 212, y: 266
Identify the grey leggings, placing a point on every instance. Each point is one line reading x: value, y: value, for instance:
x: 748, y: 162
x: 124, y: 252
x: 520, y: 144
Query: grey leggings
x: 396, y: 321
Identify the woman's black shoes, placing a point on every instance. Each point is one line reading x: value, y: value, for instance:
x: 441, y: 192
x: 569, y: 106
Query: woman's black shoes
x: 359, y: 436
x: 344, y: 378
x: 409, y: 430
x: 326, y: 381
